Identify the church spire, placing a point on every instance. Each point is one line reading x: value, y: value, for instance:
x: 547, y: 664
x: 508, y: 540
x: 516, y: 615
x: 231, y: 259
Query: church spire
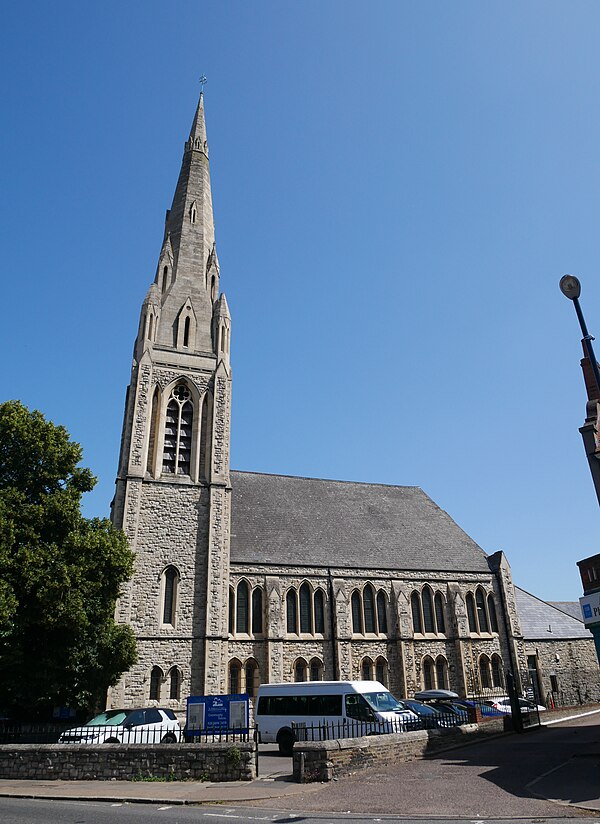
x: 191, y: 233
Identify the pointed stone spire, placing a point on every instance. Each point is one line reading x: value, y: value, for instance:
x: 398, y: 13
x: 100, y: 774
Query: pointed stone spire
x: 197, y: 139
x: 190, y: 240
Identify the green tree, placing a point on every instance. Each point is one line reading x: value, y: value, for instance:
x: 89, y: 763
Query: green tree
x: 60, y: 573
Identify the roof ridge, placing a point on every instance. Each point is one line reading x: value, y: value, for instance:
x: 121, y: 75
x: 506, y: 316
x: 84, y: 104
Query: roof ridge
x: 326, y: 480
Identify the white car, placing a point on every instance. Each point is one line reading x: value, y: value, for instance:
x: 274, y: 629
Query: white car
x: 150, y: 725
x: 503, y: 705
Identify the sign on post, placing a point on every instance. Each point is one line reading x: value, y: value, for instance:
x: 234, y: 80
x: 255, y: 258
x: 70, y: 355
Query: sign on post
x: 590, y: 608
x: 217, y: 714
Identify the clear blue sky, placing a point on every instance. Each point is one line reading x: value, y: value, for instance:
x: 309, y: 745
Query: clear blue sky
x: 398, y: 188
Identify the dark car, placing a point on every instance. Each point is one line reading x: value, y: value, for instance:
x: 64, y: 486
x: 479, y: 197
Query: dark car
x: 428, y: 717
x: 485, y: 709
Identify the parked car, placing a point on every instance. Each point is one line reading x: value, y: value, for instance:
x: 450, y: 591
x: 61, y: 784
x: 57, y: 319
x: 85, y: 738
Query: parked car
x: 485, y: 709
x: 503, y: 705
x: 149, y: 725
x: 428, y: 717
x: 443, y: 702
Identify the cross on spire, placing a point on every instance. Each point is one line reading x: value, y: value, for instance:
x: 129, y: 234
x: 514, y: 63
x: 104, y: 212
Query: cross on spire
x: 203, y: 80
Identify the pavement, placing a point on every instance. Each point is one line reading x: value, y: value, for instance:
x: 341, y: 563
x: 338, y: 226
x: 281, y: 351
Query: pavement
x: 552, y: 771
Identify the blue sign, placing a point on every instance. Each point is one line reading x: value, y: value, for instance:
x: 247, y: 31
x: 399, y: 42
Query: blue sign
x: 587, y: 610
x: 217, y: 713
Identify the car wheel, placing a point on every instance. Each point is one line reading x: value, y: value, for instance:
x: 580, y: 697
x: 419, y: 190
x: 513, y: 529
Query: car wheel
x: 286, y: 740
x: 112, y: 741
x: 169, y: 738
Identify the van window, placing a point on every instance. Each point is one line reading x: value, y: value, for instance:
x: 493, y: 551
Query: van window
x: 290, y: 705
x: 357, y: 707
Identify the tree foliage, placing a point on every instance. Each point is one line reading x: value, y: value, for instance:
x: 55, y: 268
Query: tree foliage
x: 60, y: 573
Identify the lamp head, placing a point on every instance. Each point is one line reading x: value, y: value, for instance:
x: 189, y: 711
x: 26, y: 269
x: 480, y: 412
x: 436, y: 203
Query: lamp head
x: 570, y: 287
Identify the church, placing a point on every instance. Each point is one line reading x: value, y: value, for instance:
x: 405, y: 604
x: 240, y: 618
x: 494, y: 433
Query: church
x: 243, y: 578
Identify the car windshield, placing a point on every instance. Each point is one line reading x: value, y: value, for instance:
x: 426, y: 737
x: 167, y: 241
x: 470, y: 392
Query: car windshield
x: 381, y: 701
x: 109, y: 718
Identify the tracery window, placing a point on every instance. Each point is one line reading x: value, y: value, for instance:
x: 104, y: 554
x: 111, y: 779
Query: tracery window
x: 178, y: 431
x: 428, y: 612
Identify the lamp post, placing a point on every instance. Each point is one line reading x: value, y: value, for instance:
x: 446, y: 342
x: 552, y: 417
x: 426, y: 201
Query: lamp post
x: 571, y: 288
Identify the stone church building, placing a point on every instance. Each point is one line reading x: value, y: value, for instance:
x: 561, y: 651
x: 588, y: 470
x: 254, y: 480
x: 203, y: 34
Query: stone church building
x: 243, y: 578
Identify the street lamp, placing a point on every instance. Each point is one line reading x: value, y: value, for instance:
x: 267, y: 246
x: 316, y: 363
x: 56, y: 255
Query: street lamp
x: 571, y: 288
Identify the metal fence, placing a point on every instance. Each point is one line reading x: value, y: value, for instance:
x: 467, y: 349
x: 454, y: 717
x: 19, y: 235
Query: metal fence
x: 27, y: 733
x: 355, y: 729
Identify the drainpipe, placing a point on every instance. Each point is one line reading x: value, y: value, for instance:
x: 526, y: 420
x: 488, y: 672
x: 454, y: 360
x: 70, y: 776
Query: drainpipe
x: 332, y: 627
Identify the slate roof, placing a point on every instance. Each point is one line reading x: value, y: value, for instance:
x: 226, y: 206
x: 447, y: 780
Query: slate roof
x: 572, y: 608
x: 542, y: 621
x: 278, y: 519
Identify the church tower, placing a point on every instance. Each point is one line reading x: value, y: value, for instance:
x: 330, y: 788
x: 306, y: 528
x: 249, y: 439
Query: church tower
x: 173, y: 493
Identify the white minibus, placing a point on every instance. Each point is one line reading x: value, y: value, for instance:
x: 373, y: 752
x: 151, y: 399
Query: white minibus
x: 321, y: 707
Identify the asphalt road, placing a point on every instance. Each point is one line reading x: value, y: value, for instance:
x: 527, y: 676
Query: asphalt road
x: 25, y: 811
x: 500, y: 778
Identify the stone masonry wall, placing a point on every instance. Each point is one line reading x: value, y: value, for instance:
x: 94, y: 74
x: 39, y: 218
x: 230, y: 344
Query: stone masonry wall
x: 176, y: 762
x: 327, y: 760
x: 574, y: 665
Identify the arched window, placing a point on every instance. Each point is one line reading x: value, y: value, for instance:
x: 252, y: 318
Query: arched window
x: 257, y: 611
x: 471, y: 613
x: 231, y: 610
x: 369, y: 608
x: 485, y: 672
x: 241, y: 611
x: 165, y: 275
x: 252, y: 677
x: 235, y: 669
x: 497, y: 674
x: 481, y: 611
x: 291, y: 610
x: 381, y: 671
x: 427, y: 673
x: 366, y: 669
x: 439, y: 613
x: 300, y: 668
x: 178, y: 431
x: 305, y: 609
x: 357, y: 623
x: 152, y: 437
x: 316, y: 670
x: 174, y: 683
x: 441, y: 672
x: 492, y: 613
x: 428, y: 621
x: 150, y: 325
x: 186, y: 332
x: 319, y: 612
x: 381, y: 614
x: 170, y: 581
x: 156, y: 677
x: 415, y: 606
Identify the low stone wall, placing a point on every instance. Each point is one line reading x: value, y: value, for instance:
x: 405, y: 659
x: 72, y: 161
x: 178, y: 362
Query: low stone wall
x: 130, y: 762
x: 325, y: 760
